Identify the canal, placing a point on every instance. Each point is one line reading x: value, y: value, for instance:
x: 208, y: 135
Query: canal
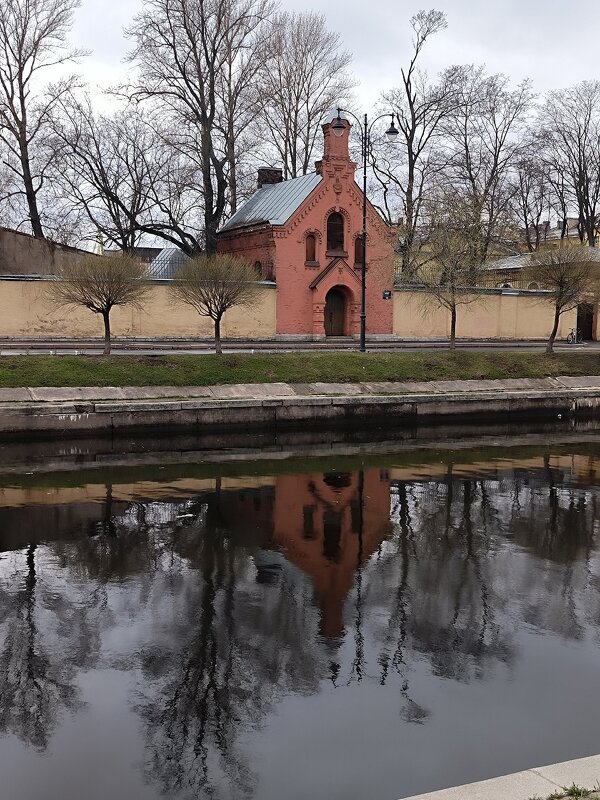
x: 341, y: 627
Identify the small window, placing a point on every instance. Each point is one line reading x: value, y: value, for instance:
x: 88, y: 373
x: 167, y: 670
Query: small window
x: 358, y: 250
x: 311, y: 248
x: 258, y: 269
x: 335, y: 233
x: 533, y: 286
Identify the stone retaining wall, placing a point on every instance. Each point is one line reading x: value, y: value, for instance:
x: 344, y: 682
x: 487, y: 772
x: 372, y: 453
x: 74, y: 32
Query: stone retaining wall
x: 286, y: 409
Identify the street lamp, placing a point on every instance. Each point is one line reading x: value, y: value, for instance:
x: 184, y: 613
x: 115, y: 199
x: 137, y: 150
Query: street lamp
x: 338, y: 128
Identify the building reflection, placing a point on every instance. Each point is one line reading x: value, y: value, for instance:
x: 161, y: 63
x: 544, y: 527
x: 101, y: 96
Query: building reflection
x: 258, y: 588
x: 327, y: 525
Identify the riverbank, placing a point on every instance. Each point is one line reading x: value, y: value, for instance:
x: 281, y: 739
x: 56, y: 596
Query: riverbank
x: 68, y: 411
x: 294, y: 368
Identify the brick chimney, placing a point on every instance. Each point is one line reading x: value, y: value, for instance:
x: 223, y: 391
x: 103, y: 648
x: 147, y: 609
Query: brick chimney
x: 269, y: 175
x: 335, y: 148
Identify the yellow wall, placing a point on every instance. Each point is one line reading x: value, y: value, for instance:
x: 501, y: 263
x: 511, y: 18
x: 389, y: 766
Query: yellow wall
x: 25, y: 310
x: 493, y: 316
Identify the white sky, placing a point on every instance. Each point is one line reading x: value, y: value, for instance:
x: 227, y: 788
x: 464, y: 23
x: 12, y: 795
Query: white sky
x: 553, y: 42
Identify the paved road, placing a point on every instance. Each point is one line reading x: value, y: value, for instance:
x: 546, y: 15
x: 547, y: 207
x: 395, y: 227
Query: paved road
x: 122, y: 346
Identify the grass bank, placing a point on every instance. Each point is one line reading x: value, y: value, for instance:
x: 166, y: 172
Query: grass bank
x: 207, y: 370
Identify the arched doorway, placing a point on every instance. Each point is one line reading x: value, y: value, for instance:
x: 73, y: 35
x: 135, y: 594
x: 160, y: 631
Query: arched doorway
x: 335, y: 312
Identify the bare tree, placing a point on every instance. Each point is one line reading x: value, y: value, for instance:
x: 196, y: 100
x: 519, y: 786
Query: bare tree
x: 533, y: 196
x: 214, y: 284
x: 304, y: 74
x: 405, y: 174
x: 100, y: 283
x: 453, y: 270
x: 245, y: 46
x: 104, y: 170
x: 484, y: 138
x: 32, y: 40
x: 571, y: 119
x: 183, y: 51
x: 560, y: 194
x: 569, y: 274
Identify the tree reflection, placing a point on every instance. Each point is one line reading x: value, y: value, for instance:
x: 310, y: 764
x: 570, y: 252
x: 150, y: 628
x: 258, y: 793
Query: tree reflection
x: 47, y: 637
x: 236, y: 647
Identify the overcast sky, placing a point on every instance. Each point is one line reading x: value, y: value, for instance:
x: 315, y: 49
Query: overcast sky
x: 553, y: 42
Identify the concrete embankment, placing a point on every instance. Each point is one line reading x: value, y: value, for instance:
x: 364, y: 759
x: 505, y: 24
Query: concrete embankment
x: 582, y: 774
x: 114, y: 410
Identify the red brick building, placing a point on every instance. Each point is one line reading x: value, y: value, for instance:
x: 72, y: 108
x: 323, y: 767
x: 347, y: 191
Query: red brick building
x: 305, y: 235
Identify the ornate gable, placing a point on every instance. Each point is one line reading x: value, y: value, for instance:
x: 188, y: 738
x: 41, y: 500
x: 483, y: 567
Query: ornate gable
x: 343, y: 269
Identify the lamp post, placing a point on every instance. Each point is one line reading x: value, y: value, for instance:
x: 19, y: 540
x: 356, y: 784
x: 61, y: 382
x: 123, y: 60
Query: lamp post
x: 338, y: 128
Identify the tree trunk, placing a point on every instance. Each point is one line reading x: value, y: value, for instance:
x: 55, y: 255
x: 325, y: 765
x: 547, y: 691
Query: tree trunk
x: 210, y: 237
x: 592, y: 233
x: 218, y: 348
x: 232, y: 176
x: 30, y: 194
x: 550, y: 344
x: 453, y: 328
x: 106, y: 318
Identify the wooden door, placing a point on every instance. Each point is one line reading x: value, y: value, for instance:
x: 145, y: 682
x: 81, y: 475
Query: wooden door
x: 335, y: 303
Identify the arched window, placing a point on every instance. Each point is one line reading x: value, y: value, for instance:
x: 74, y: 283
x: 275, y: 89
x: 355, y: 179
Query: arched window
x: 311, y: 248
x: 335, y: 233
x: 358, y: 250
x: 258, y: 269
x: 533, y: 285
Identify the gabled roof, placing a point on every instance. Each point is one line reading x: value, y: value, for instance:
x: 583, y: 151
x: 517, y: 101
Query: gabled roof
x: 274, y: 204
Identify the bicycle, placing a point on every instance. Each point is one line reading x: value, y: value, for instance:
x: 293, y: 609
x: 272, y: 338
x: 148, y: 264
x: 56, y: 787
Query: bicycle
x: 574, y: 336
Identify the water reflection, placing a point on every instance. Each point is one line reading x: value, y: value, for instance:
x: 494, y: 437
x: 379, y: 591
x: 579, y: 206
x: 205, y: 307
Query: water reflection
x: 47, y: 638
x: 221, y: 597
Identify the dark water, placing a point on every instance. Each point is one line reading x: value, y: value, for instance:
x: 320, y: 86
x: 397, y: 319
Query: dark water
x: 337, y: 629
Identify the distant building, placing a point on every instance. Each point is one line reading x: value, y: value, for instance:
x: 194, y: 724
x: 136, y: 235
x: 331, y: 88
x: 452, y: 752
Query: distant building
x: 552, y: 234
x: 146, y: 255
x: 166, y: 263
x: 23, y: 254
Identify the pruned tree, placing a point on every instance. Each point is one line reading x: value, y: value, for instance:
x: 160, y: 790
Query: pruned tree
x: 569, y: 274
x: 185, y: 53
x: 405, y: 172
x: 304, y: 74
x: 571, y: 122
x: 99, y: 283
x: 212, y: 284
x: 453, y: 270
x: 32, y: 40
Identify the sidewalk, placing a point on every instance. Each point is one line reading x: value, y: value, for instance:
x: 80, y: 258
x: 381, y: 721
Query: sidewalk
x: 280, y: 391
x: 532, y: 783
x: 194, y: 345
